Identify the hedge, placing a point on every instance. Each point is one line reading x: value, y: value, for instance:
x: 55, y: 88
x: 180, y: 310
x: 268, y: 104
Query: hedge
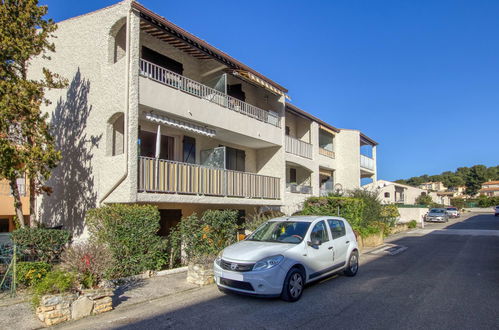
x: 349, y: 208
x: 130, y: 233
x: 40, y: 244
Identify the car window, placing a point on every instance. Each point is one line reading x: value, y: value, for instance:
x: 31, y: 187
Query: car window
x: 337, y: 228
x: 319, y: 232
x: 280, y: 232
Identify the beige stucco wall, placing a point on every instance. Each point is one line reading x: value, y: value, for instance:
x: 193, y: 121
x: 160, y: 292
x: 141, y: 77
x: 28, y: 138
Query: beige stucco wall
x: 99, y: 89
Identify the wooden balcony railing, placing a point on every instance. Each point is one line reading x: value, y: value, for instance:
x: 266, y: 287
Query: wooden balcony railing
x: 298, y: 147
x: 327, y: 153
x: 189, y: 86
x: 165, y: 176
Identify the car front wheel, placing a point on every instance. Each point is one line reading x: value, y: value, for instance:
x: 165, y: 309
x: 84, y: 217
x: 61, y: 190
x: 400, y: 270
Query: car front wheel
x: 293, y: 286
x: 353, y: 264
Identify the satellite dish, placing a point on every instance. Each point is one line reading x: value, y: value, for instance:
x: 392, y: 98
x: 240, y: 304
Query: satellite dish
x: 338, y: 188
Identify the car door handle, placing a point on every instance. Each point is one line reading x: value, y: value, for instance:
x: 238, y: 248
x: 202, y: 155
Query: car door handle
x: 347, y: 242
x: 330, y: 248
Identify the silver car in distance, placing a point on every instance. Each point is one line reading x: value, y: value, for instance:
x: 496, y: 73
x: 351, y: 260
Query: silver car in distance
x: 284, y: 254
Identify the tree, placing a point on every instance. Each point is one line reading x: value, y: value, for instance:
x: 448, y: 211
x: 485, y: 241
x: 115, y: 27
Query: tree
x: 424, y: 199
x: 476, y: 176
x: 26, y: 147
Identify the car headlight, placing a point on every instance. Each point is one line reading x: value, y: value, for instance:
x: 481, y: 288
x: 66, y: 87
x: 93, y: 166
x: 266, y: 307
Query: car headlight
x: 218, y: 259
x: 268, y: 263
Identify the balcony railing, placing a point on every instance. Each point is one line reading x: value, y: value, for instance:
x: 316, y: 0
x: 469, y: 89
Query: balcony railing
x: 327, y: 153
x: 298, y: 147
x: 165, y: 176
x: 326, y: 192
x: 189, y: 86
x: 299, y: 189
x: 366, y: 162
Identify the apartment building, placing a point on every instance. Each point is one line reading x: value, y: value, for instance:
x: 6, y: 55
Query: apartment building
x: 7, y: 211
x: 490, y: 188
x: 434, y: 186
x: 396, y: 193
x: 155, y: 115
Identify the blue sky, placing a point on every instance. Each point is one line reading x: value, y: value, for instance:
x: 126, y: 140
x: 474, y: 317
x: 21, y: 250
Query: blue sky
x: 420, y: 77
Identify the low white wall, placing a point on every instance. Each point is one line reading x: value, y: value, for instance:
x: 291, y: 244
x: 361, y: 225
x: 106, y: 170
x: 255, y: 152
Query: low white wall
x: 412, y: 213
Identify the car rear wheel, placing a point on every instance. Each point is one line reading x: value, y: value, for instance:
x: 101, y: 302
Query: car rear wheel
x: 353, y: 264
x: 293, y: 286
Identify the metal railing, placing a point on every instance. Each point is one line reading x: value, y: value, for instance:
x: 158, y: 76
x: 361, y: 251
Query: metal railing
x: 166, y: 176
x: 177, y: 81
x: 6, y: 191
x: 367, y: 162
x: 299, y: 189
x: 327, y: 153
x: 298, y: 147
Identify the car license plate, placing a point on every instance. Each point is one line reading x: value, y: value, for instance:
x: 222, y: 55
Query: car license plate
x: 232, y: 276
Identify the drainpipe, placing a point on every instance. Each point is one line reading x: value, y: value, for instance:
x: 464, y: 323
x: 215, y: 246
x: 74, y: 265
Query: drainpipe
x: 127, y: 105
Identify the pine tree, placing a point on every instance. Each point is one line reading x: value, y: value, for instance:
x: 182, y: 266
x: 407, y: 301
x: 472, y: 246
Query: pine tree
x: 26, y: 146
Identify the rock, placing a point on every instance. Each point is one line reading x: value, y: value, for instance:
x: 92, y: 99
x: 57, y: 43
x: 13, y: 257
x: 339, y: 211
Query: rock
x: 200, y: 274
x: 51, y: 300
x: 81, y: 307
x: 94, y: 294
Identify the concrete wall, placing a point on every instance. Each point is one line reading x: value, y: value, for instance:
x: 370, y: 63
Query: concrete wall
x: 411, y: 213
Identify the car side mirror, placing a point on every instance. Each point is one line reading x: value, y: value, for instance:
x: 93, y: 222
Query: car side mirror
x: 315, y: 242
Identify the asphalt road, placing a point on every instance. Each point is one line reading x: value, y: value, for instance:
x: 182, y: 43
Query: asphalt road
x: 441, y: 281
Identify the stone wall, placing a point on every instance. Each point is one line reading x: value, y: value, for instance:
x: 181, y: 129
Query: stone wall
x: 60, y: 308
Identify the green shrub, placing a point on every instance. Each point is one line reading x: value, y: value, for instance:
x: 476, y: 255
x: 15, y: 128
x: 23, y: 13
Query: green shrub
x: 348, y: 208
x: 56, y: 281
x: 130, y: 234
x: 41, y: 244
x: 412, y: 224
x: 458, y: 203
x: 201, y: 239
x: 255, y: 220
x: 424, y: 199
x: 90, y: 261
x: 31, y: 273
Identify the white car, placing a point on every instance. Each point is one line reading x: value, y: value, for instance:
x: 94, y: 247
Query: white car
x: 285, y: 253
x: 453, y: 212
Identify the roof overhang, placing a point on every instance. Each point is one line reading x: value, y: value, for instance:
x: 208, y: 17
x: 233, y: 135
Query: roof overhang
x: 165, y: 30
x: 367, y: 140
x: 302, y: 113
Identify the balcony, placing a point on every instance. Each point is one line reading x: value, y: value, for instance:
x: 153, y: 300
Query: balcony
x: 298, y: 147
x: 299, y: 189
x: 192, y: 87
x: 366, y: 163
x: 327, y: 153
x: 165, y: 176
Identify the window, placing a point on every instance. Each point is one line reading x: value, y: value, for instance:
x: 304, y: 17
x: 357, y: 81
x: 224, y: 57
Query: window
x: 117, y: 135
x: 189, y: 150
x: 292, y: 175
x: 319, y: 232
x: 387, y: 195
x: 4, y: 225
x: 287, y: 130
x: 337, y: 228
x: 236, y: 91
x: 235, y: 159
x: 147, y: 143
x: 325, y: 140
x: 162, y: 60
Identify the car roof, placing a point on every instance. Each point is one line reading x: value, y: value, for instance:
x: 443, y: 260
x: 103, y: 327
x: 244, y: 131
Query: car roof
x: 306, y: 218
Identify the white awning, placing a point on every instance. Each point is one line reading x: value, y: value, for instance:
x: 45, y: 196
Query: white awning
x: 181, y: 124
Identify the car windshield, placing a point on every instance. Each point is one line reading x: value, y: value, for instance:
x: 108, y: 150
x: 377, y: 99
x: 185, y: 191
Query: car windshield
x: 280, y: 232
x: 451, y: 209
x: 437, y: 211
